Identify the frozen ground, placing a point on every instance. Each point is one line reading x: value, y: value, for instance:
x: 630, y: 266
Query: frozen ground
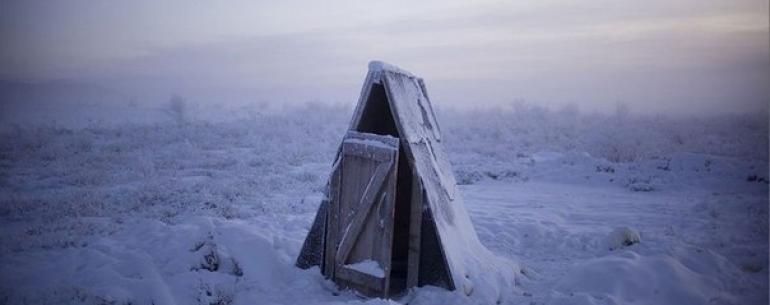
x: 132, y: 204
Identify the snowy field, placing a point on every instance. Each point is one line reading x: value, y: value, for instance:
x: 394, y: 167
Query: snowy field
x: 138, y: 204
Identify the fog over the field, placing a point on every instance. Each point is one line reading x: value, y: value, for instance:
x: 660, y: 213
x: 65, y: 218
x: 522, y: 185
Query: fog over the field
x: 684, y: 57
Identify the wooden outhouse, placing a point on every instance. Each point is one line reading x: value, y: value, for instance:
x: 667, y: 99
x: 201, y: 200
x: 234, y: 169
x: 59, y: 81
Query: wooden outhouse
x: 392, y: 217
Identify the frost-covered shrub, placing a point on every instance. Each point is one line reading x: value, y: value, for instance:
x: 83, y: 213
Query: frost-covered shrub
x: 623, y: 237
x: 640, y: 185
x: 177, y: 108
x: 230, y: 169
x: 504, y: 132
x: 264, y: 161
x: 465, y: 177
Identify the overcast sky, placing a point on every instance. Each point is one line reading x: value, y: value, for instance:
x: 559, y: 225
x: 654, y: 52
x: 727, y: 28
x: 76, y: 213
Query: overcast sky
x: 688, y: 56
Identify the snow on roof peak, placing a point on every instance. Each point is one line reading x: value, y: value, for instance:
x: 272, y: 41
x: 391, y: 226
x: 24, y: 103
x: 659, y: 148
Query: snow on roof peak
x: 376, y: 65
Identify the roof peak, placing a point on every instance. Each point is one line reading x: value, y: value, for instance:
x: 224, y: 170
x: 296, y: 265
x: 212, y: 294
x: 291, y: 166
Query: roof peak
x: 377, y: 65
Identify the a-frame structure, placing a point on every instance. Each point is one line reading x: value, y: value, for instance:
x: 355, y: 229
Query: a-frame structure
x: 392, y: 217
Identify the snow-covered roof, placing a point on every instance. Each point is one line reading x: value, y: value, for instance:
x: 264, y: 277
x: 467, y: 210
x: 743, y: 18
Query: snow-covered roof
x: 377, y: 66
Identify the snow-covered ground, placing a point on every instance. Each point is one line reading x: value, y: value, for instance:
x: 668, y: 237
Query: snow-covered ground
x: 132, y: 204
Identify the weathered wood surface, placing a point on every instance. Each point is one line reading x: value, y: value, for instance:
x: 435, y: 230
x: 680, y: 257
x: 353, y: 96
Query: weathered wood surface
x: 351, y: 232
x: 415, y: 225
x: 419, y: 131
x: 332, y: 222
x: 365, y: 283
x: 365, y: 205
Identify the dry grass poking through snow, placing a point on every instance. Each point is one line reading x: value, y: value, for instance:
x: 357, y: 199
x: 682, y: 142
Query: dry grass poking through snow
x: 72, y: 190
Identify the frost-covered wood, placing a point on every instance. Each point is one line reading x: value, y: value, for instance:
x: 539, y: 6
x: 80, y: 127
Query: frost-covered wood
x: 332, y: 219
x: 364, y: 210
x: 415, y: 219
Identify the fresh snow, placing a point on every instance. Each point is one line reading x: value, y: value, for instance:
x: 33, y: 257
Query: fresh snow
x: 369, y: 142
x: 368, y: 266
x: 214, y: 209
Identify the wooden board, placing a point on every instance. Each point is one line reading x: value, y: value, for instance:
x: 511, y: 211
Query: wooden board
x: 330, y: 244
x: 362, y: 225
x: 415, y: 225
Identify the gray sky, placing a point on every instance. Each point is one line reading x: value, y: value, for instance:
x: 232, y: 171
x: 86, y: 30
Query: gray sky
x: 688, y: 56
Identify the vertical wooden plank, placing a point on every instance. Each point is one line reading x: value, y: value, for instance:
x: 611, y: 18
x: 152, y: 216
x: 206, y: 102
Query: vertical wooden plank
x: 332, y: 221
x: 415, y: 227
x: 387, y: 230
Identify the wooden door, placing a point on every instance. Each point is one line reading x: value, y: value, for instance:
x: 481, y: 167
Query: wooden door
x: 361, y: 214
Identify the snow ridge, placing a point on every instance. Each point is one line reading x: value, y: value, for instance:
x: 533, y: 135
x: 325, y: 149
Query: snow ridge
x: 376, y: 66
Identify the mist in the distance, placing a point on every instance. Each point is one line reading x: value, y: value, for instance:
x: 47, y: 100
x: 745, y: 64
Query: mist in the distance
x: 682, y: 57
